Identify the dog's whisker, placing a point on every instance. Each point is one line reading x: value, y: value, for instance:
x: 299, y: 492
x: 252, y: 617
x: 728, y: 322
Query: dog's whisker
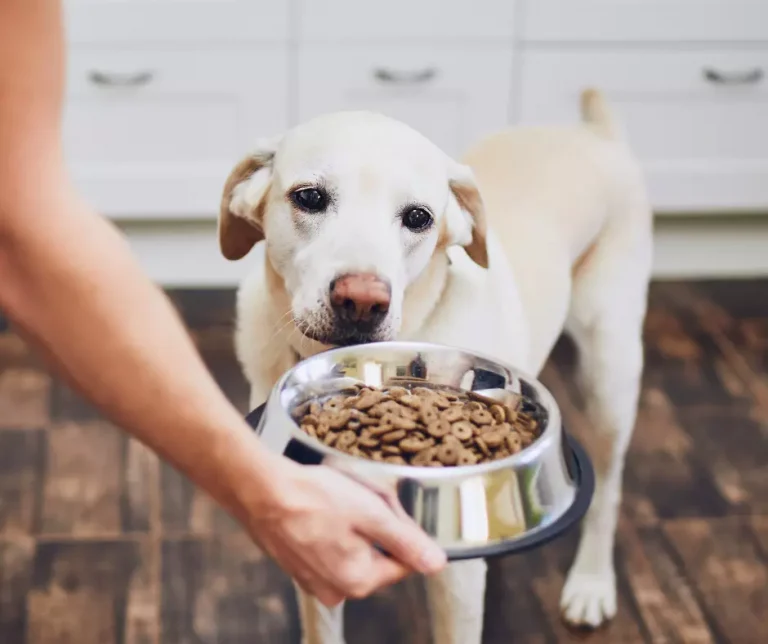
x: 282, y: 327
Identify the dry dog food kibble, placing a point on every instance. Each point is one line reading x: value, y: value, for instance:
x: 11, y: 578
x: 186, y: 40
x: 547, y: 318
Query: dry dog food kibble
x: 420, y: 426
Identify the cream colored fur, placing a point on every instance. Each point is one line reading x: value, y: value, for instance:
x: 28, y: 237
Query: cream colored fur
x: 568, y: 245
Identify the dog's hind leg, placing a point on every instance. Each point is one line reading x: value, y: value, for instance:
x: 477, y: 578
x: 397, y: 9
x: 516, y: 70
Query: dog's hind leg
x: 456, y: 601
x: 319, y: 624
x: 605, y: 321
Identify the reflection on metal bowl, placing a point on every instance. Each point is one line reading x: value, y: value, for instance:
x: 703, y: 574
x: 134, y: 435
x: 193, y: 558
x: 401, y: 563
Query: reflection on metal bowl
x: 482, y: 510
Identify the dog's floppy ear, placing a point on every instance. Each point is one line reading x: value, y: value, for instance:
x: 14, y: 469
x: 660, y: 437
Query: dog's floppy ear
x: 241, y: 216
x: 465, y: 215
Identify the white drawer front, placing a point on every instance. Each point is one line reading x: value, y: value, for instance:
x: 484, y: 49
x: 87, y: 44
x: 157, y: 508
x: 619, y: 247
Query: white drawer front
x: 703, y: 142
x: 452, y: 97
x: 421, y: 20
x: 154, y: 134
x: 175, y: 21
x: 645, y: 20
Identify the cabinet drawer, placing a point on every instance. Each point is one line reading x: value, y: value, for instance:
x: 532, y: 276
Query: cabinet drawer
x: 452, y: 97
x: 698, y: 120
x: 332, y: 21
x: 645, y: 20
x: 155, y: 133
x: 176, y: 21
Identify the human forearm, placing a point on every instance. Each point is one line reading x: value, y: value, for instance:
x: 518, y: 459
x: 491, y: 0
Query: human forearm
x: 73, y: 287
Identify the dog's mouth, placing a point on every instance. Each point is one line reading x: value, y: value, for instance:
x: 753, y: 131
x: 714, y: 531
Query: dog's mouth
x: 341, y: 335
x: 344, y: 338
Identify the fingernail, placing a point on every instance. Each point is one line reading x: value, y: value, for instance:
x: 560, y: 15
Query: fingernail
x: 433, y: 560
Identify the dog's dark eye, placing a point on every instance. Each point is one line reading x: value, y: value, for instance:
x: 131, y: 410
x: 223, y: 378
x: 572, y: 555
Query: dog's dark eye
x: 416, y: 219
x: 310, y: 199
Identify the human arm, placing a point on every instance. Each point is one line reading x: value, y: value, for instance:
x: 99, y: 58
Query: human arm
x: 70, y: 283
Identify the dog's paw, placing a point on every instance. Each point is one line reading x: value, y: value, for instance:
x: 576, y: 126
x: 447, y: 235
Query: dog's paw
x: 588, y: 599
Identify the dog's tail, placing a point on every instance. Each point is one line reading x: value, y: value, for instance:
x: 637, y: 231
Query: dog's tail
x: 596, y: 114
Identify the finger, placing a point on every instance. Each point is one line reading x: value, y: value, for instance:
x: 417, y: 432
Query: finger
x: 388, y: 572
x: 403, y: 540
x: 369, y: 573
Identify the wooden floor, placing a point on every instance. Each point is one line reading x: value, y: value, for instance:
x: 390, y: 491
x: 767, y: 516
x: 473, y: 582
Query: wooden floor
x: 101, y: 544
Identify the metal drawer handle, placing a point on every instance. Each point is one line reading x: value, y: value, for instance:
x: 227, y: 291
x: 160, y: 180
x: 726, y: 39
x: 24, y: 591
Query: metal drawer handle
x: 750, y: 77
x: 121, y: 80
x: 405, y: 78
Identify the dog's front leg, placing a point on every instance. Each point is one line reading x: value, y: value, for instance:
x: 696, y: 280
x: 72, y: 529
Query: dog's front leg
x: 456, y: 601
x: 610, y: 371
x: 319, y: 624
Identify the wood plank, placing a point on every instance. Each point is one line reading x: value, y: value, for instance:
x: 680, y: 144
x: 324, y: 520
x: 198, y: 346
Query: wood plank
x: 662, y: 464
x: 16, y: 557
x: 664, y: 597
x: 547, y: 583
x: 223, y: 590
x: 83, y: 491
x: 97, y: 592
x: 68, y: 405
x: 696, y: 453
x: 747, y: 361
x: 142, y: 596
x: 683, y: 357
x: 742, y: 298
x: 514, y: 612
x: 188, y: 510
x: 15, y: 352
x: 24, y: 398
x: 720, y: 557
x: 760, y: 529
x: 21, y: 463
x: 733, y: 450
x: 141, y: 488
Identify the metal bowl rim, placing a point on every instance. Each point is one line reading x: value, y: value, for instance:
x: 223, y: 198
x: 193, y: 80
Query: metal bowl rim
x: 552, y: 431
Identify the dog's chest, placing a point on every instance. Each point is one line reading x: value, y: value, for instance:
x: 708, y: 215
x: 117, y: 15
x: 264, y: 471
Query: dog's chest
x: 480, y: 311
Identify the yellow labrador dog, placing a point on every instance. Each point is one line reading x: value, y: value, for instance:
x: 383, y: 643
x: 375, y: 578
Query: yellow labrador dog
x: 372, y: 233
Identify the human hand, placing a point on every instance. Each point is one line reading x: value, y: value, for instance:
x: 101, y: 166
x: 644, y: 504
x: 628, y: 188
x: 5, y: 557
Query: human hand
x: 321, y: 526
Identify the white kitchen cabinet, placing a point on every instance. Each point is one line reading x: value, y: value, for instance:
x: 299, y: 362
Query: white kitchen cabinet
x: 697, y: 119
x: 419, y: 21
x: 111, y: 22
x: 164, y: 96
x: 650, y: 21
x: 452, y: 96
x: 151, y: 133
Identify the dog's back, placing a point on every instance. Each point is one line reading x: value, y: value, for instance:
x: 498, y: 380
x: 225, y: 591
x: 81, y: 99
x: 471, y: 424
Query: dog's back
x: 550, y: 193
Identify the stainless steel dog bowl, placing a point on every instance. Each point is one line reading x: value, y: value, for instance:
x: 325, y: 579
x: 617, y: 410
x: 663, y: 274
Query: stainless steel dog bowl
x: 495, y: 508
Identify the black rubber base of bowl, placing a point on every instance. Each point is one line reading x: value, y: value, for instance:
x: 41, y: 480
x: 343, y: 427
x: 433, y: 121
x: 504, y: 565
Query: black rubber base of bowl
x: 581, y: 471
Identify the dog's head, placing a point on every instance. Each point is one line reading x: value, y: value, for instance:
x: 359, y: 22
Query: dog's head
x: 353, y: 206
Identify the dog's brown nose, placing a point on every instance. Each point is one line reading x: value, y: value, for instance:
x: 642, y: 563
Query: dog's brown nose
x: 360, y: 297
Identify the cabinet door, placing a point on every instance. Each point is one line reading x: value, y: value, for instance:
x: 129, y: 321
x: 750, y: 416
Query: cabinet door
x: 698, y: 120
x: 153, y: 134
x: 176, y: 21
x: 452, y: 96
x: 336, y: 21
x: 644, y: 20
